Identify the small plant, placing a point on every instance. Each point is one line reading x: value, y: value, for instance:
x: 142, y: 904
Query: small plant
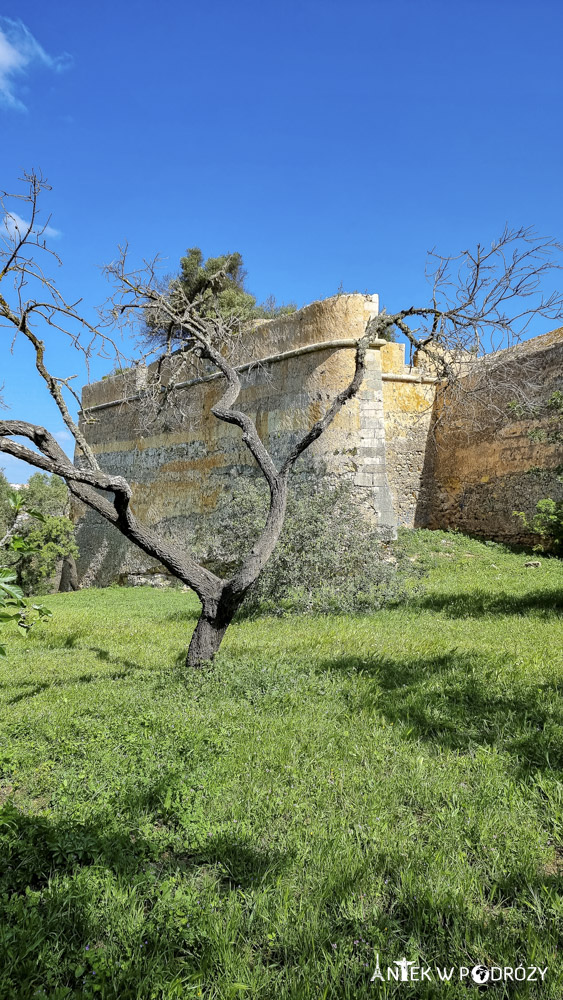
x: 13, y: 607
x: 547, y: 522
x: 11, y: 600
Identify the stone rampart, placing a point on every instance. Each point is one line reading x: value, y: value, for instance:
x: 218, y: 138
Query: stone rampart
x: 408, y: 398
x: 463, y: 470
x: 489, y: 456
x: 181, y: 462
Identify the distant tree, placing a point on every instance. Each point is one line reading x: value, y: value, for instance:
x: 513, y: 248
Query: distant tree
x: 38, y: 534
x: 47, y: 546
x: 478, y: 300
x: 5, y: 508
x: 48, y: 494
x: 215, y: 287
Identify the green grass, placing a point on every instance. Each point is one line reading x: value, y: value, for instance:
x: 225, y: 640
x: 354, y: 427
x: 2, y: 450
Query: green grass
x: 334, y: 788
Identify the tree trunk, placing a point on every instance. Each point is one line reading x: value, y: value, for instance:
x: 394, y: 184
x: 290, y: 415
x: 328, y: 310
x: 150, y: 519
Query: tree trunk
x: 69, y: 576
x: 205, y: 641
x: 215, y: 618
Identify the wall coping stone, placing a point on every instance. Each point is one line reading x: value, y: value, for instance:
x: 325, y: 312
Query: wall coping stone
x: 345, y: 342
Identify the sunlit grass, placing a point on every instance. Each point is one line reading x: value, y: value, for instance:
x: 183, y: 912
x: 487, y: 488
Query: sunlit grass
x: 333, y: 788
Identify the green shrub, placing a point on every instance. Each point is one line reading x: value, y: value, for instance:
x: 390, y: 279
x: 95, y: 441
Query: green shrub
x: 41, y: 534
x: 46, y: 544
x: 547, y: 522
x: 328, y: 559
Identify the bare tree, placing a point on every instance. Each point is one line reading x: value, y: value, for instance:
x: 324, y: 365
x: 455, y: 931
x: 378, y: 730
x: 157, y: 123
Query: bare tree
x: 488, y: 303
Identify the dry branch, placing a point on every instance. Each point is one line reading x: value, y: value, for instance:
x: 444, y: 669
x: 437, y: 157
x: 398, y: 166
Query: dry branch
x: 479, y: 301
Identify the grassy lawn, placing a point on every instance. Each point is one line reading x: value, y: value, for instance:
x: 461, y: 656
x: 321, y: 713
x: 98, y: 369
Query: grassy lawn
x: 333, y: 789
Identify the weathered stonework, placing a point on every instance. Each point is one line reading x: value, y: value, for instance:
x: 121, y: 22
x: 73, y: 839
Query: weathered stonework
x: 478, y: 470
x: 181, y: 463
x: 408, y: 398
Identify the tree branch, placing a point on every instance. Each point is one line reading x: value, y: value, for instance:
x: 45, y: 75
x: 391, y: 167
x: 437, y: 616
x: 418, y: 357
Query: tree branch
x: 348, y: 393
x: 83, y: 484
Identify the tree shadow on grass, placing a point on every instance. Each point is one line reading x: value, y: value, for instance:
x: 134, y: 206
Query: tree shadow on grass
x: 128, y: 666
x: 189, y: 614
x: 33, y: 688
x: 98, y: 901
x: 458, y: 700
x: 38, y: 846
x: 332, y: 952
x: 71, y: 895
x: 549, y: 602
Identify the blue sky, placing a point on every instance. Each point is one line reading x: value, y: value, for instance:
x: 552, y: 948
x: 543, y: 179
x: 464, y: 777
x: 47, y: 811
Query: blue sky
x: 332, y: 144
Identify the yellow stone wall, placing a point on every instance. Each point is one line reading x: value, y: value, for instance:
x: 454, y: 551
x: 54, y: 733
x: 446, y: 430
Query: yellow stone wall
x: 182, y: 461
x: 460, y: 473
x: 484, y: 466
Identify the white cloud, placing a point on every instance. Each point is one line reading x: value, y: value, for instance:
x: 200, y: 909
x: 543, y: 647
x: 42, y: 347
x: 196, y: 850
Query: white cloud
x: 19, y: 52
x: 63, y: 436
x: 16, y: 226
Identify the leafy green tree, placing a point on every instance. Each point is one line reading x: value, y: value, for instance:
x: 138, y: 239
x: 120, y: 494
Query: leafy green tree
x: 39, y: 533
x: 47, y: 494
x: 216, y: 288
x: 45, y: 546
x: 6, y: 515
x: 219, y: 281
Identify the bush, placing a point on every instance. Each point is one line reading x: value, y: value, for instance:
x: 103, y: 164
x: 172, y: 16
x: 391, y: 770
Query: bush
x: 328, y: 558
x: 47, y: 544
x: 43, y: 535
x: 547, y: 522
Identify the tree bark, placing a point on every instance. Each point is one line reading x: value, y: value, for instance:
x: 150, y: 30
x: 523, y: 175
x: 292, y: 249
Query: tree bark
x: 69, y: 576
x: 205, y: 641
x: 215, y: 618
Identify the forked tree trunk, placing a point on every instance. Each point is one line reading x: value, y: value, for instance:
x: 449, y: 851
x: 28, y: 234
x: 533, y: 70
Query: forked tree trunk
x: 219, y: 610
x: 206, y: 639
x: 215, y: 618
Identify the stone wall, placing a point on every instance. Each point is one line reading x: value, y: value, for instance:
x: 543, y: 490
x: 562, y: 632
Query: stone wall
x: 408, y: 398
x: 482, y: 464
x: 463, y: 470
x: 182, y: 462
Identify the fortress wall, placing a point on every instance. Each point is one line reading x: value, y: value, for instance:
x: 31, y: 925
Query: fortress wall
x: 479, y: 471
x: 468, y: 473
x: 408, y: 397
x: 182, y: 462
